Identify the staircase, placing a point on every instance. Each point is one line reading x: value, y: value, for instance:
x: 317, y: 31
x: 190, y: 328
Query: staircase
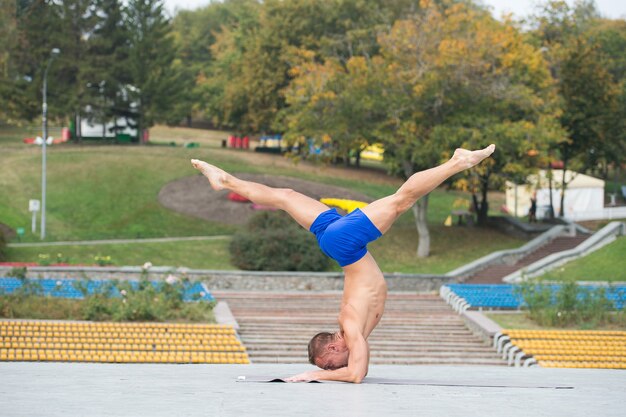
x: 415, y: 329
x: 493, y: 274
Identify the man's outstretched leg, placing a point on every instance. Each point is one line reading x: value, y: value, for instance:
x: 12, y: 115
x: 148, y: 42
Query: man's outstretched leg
x: 385, y: 211
x: 303, y: 209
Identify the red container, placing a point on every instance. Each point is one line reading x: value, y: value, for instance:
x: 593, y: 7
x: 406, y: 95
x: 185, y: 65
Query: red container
x: 246, y: 142
x: 65, y: 134
x: 237, y: 198
x: 237, y: 142
x: 231, y: 141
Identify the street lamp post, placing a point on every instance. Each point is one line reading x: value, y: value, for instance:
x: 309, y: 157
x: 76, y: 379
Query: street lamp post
x: 53, y: 54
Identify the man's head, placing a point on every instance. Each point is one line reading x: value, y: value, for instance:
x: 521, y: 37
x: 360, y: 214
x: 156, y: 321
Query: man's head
x: 328, y: 351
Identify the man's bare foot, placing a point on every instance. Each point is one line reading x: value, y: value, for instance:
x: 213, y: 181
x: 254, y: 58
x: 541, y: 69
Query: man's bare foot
x: 467, y: 159
x: 216, y: 176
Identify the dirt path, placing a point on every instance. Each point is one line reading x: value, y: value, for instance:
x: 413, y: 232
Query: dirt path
x: 193, y: 196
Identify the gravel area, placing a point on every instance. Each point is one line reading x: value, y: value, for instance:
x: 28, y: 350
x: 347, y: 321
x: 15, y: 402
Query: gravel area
x: 193, y: 196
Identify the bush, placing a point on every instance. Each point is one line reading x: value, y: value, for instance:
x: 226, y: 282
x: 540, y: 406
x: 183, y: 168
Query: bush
x: 566, y: 303
x: 3, y: 247
x: 116, y: 301
x: 18, y: 272
x: 146, y: 302
x: 272, y: 241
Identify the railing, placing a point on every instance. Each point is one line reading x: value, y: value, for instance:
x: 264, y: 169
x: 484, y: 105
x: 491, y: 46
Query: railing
x: 599, y: 239
x: 511, y: 255
x: 607, y: 213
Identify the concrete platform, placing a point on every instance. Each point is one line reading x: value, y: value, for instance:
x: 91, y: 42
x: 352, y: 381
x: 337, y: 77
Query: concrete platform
x: 73, y: 389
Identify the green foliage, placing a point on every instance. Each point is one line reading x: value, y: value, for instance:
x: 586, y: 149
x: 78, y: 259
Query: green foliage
x: 570, y: 305
x: 45, y: 259
x: 18, y: 272
x: 445, y: 76
x: 156, y: 74
x: 103, y: 260
x: 145, y: 303
x: 590, y: 100
x: 586, y: 59
x: 107, y: 61
x: 259, y: 42
x: 273, y: 242
x: 127, y: 49
x: 3, y: 247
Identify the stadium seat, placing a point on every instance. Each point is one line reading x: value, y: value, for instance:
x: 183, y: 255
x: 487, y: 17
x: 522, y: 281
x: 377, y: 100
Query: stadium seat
x: 499, y: 296
x: 119, y: 342
x: 571, y: 348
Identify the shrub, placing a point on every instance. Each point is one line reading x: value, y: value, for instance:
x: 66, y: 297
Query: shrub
x: 18, y: 272
x: 274, y: 242
x: 3, y: 247
x: 114, y: 301
x: 44, y: 259
x: 102, y: 260
x: 566, y: 303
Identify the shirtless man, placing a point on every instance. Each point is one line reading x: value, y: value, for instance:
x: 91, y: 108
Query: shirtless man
x: 344, y: 355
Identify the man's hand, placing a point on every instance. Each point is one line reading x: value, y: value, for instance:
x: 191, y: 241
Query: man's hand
x: 303, y: 377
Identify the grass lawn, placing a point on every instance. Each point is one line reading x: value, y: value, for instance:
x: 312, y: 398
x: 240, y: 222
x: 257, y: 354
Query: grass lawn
x: 449, y: 251
x: 211, y: 254
x: 183, y: 135
x: 107, y: 191
x: 451, y: 247
x: 606, y: 264
x: 520, y: 321
x: 100, y: 192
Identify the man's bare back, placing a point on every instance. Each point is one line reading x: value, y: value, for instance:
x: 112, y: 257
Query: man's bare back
x: 344, y: 355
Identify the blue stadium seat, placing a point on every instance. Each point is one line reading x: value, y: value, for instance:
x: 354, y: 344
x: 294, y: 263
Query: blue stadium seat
x: 506, y: 296
x: 65, y: 288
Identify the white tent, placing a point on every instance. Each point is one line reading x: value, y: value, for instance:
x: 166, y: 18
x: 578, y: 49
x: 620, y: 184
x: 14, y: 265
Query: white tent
x: 583, y: 194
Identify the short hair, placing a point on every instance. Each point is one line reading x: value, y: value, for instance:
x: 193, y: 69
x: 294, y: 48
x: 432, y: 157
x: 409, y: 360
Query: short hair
x: 317, y: 345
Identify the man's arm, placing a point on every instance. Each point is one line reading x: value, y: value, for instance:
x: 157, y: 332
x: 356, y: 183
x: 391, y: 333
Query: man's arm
x: 358, y: 360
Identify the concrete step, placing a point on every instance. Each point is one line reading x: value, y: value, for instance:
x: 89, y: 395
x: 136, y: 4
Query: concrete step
x: 493, y: 274
x: 393, y: 344
x: 410, y: 347
x: 383, y: 327
x: 394, y: 361
x: 415, y: 329
x: 433, y: 337
x: 382, y: 356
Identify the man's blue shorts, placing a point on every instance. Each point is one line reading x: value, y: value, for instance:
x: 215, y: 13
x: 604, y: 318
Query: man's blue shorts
x: 344, y: 238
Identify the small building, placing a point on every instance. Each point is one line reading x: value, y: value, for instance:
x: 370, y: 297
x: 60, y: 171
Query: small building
x: 121, y: 130
x: 584, y: 195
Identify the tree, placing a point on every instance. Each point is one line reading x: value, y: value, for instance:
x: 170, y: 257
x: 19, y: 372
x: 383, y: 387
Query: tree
x: 610, y: 36
x: 77, y: 23
x: 221, y: 85
x: 155, y: 72
x: 9, y: 34
x: 108, y: 53
x: 194, y: 35
x: 333, y: 101
x: 445, y: 77
x: 590, y: 101
x: 590, y: 94
x: 255, y: 53
x: 458, y: 78
x: 27, y: 53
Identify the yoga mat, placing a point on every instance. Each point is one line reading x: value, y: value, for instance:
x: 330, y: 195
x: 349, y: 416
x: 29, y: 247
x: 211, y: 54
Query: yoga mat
x: 427, y: 382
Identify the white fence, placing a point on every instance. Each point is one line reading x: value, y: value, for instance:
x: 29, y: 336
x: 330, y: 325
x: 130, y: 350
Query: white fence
x: 607, y: 213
